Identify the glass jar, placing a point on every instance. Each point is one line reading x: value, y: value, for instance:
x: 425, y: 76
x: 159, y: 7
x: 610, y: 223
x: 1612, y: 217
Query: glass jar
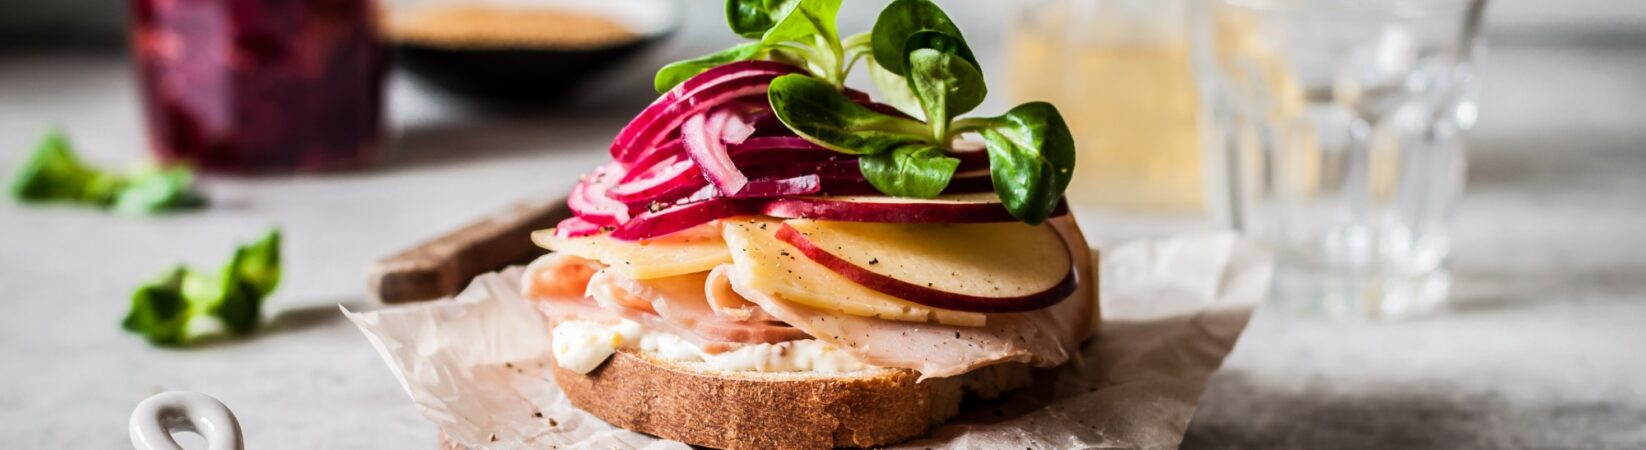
x: 253, y: 86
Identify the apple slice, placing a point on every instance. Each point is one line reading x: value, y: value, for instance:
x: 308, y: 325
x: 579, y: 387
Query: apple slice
x: 696, y: 249
x: 988, y: 267
x: 766, y: 264
x: 979, y: 207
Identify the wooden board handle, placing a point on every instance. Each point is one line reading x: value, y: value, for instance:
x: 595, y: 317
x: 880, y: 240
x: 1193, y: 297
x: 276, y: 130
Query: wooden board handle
x: 442, y: 266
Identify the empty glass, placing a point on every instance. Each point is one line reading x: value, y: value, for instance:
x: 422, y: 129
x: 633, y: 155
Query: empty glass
x: 1334, y: 128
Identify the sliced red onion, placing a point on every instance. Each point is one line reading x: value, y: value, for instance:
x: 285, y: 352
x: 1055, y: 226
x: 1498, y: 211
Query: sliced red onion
x: 657, y: 180
x: 575, y: 227
x: 849, y: 187
x: 701, y: 134
x: 590, y: 199
x: 705, y: 192
x: 736, y: 130
x: 780, y: 187
x: 763, y: 150
x: 676, y: 195
x: 831, y: 169
x: 654, y: 156
x: 662, y: 222
x: 970, y: 182
x: 766, y: 123
x: 971, y: 154
x: 697, y: 94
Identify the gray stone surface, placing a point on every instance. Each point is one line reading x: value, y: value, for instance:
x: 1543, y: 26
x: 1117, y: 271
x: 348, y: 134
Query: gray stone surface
x: 1543, y: 349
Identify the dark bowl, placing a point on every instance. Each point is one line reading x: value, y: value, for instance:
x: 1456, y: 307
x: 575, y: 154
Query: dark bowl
x: 528, y: 75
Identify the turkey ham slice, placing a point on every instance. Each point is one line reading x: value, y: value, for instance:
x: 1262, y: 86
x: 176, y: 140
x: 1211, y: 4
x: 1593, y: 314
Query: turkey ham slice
x: 571, y: 288
x: 1042, y: 338
x: 682, y: 301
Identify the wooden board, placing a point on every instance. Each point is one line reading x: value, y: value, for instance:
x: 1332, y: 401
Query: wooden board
x: 444, y: 265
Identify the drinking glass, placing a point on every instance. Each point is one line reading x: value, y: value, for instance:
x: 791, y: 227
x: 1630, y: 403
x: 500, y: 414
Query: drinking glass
x: 1334, y: 129
x: 1119, y: 71
x: 260, y: 85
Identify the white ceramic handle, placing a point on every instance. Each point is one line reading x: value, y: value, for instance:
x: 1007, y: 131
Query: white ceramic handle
x: 157, y: 417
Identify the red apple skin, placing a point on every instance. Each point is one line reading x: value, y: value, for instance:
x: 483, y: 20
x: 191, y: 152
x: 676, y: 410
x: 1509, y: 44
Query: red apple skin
x: 925, y: 295
x: 825, y: 208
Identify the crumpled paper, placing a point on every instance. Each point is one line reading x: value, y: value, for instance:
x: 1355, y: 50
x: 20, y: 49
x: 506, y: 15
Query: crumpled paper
x: 476, y: 366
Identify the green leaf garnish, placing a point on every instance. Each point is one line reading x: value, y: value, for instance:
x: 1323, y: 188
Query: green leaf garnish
x: 895, y: 90
x: 902, y: 19
x: 945, y: 84
x: 676, y: 72
x: 816, y: 111
x: 168, y: 309
x: 913, y: 170
x: 799, y: 32
x: 751, y: 18
x: 806, y: 21
x: 1031, y: 159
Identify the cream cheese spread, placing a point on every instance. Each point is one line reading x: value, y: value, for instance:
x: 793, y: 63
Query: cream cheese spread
x: 581, y: 345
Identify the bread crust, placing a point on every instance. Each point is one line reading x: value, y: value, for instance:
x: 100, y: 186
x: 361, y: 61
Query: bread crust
x: 745, y: 410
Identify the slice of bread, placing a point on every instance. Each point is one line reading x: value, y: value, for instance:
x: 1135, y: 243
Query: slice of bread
x: 703, y: 406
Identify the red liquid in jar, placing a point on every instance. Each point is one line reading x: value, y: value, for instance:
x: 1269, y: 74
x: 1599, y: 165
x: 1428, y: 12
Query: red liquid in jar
x: 260, y: 85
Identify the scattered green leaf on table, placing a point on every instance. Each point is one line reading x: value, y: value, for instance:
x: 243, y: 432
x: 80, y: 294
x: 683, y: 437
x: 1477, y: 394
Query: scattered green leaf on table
x: 54, y: 173
x: 156, y: 190
x: 173, y: 309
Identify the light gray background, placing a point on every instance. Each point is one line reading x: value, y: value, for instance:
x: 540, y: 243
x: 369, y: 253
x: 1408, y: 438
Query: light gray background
x: 1544, y: 350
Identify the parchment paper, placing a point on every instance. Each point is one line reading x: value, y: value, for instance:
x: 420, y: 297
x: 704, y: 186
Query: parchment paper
x: 1172, y: 309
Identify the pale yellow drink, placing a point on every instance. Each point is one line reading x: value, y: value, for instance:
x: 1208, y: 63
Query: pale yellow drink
x: 1128, y: 95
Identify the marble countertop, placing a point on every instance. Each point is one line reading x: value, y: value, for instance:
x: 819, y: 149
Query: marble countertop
x: 1542, y: 349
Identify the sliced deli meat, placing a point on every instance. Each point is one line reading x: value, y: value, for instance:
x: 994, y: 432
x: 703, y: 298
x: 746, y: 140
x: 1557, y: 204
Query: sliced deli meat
x: 568, y: 288
x: 726, y: 302
x: 1043, y: 338
x: 681, y: 301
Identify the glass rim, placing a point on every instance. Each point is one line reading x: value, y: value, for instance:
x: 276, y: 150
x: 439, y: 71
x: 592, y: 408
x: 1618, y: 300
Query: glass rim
x: 1385, y: 8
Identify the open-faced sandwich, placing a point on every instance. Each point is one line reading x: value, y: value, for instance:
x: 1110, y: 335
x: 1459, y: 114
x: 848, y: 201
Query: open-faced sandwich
x: 775, y: 260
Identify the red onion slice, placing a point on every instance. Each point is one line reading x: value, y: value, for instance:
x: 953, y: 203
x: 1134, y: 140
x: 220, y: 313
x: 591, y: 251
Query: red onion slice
x: 653, y: 156
x: 590, y: 199
x: 701, y: 134
x: 658, y: 180
x: 781, y: 187
x: 736, y: 130
x: 677, y: 195
x: 575, y: 227
x: 697, y: 94
x: 662, y: 222
x: 832, y: 169
x: 763, y: 150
